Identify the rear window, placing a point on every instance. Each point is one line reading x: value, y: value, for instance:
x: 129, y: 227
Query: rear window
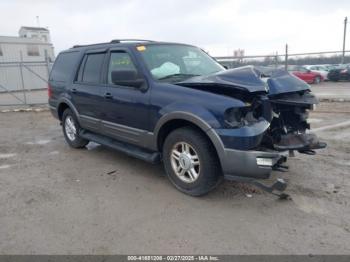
x: 64, y: 66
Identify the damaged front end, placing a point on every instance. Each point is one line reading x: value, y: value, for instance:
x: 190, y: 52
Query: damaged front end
x: 289, y: 127
x: 257, y: 138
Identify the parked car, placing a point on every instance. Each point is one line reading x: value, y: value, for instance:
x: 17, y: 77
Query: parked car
x: 306, y: 75
x: 322, y: 70
x: 173, y: 103
x: 330, y: 67
x: 340, y: 73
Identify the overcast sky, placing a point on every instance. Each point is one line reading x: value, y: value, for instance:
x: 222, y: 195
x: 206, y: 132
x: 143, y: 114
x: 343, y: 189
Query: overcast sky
x: 218, y: 26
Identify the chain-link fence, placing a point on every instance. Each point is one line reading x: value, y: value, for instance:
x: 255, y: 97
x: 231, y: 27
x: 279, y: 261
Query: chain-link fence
x: 284, y: 60
x: 24, y: 83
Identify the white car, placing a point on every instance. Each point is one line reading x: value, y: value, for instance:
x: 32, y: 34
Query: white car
x: 322, y: 70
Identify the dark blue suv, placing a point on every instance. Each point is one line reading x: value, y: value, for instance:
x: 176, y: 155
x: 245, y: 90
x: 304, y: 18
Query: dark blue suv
x: 174, y: 103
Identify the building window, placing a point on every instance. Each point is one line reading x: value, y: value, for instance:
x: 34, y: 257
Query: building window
x: 1, y: 53
x: 33, y: 50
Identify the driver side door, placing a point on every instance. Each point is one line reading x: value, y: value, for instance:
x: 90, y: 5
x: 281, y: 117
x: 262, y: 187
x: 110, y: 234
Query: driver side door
x: 125, y: 113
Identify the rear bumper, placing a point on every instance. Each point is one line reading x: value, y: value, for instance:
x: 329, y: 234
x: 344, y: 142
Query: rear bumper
x: 253, y: 164
x: 53, y: 111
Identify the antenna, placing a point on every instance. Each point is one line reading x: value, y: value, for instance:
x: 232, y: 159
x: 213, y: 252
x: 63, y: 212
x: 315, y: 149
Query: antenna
x: 37, y: 21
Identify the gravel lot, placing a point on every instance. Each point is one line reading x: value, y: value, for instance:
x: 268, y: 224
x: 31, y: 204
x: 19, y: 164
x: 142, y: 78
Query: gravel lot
x: 57, y: 200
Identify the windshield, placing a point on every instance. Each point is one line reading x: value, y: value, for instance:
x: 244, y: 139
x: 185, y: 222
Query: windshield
x: 172, y: 62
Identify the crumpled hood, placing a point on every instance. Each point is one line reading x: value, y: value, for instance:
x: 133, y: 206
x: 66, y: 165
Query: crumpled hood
x: 251, y: 79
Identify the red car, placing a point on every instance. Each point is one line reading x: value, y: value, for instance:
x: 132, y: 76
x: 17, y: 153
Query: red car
x: 307, y: 75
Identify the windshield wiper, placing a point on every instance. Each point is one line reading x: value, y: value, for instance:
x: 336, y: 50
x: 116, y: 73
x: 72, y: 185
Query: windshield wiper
x: 177, y: 75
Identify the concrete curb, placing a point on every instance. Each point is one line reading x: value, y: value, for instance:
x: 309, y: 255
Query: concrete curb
x: 25, y: 109
x: 321, y: 99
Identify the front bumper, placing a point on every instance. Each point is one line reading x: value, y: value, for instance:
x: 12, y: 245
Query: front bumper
x: 239, y: 154
x: 251, y: 163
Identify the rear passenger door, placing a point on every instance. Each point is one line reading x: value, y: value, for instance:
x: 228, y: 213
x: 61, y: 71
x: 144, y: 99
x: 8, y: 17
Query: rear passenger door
x: 88, y: 92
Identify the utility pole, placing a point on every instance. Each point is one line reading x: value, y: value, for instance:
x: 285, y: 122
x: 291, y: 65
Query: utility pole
x: 343, y: 55
x: 286, y: 59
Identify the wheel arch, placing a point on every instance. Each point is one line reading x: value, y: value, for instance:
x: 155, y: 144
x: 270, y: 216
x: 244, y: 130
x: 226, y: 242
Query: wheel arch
x: 63, y: 105
x: 176, y: 120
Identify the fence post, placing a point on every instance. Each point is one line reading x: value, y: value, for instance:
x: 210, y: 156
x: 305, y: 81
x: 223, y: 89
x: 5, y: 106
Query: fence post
x: 286, y: 59
x: 22, y: 78
x: 344, y: 37
x: 276, y: 60
x: 47, y: 64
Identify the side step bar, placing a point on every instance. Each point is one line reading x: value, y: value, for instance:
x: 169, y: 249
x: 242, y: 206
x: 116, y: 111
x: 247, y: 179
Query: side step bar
x: 131, y: 150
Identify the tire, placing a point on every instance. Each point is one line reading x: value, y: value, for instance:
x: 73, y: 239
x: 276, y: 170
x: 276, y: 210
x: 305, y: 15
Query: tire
x: 207, y: 173
x: 71, y: 128
x: 317, y: 80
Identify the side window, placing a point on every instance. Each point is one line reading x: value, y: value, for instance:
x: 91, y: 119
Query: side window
x: 119, y: 61
x: 64, y: 66
x: 92, y: 68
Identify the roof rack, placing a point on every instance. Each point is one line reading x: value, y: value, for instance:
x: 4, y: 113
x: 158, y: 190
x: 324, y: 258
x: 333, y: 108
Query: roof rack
x: 130, y: 40
x: 115, y: 41
x: 76, y: 46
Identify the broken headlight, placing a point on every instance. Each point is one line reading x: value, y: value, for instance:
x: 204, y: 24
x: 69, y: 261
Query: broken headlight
x: 238, y: 116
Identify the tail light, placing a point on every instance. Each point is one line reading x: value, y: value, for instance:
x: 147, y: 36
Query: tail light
x: 49, y: 91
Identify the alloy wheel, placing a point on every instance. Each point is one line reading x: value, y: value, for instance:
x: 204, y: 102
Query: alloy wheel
x: 185, y: 162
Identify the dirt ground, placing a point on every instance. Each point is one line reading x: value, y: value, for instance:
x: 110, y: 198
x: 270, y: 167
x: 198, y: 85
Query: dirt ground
x: 57, y: 200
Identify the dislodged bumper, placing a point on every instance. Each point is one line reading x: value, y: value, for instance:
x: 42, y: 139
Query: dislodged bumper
x: 243, y: 138
x: 254, y: 164
x: 238, y: 154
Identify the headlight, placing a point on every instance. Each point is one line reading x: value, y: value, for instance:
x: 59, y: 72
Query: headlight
x: 235, y: 117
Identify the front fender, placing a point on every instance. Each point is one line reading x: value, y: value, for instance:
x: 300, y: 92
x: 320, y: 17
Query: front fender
x: 197, y: 114
x: 200, y: 121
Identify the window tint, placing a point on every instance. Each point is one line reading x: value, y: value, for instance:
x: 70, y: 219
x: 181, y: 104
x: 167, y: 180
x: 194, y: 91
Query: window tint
x: 1, y: 54
x: 119, y: 61
x: 92, y: 68
x: 64, y: 66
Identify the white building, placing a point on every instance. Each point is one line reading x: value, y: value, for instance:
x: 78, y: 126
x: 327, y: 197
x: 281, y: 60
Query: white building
x: 32, y: 44
x: 25, y: 59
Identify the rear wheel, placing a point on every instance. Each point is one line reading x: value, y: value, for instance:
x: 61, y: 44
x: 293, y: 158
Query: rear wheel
x: 71, y: 130
x: 190, y: 162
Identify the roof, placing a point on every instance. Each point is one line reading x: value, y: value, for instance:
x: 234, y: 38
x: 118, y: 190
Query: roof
x: 21, y: 40
x: 121, y: 43
x: 34, y: 28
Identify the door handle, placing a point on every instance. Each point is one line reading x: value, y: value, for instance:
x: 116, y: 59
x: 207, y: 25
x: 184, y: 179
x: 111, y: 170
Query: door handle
x: 74, y: 90
x: 108, y: 96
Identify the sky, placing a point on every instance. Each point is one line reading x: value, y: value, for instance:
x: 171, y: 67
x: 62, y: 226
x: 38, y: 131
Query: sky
x: 218, y: 26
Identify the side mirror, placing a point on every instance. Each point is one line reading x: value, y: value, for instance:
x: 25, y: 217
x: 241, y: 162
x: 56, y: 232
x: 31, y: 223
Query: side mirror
x: 127, y: 78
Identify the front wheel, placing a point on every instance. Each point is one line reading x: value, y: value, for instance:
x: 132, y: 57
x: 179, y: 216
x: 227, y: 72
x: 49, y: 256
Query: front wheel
x: 71, y: 129
x: 190, y: 162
